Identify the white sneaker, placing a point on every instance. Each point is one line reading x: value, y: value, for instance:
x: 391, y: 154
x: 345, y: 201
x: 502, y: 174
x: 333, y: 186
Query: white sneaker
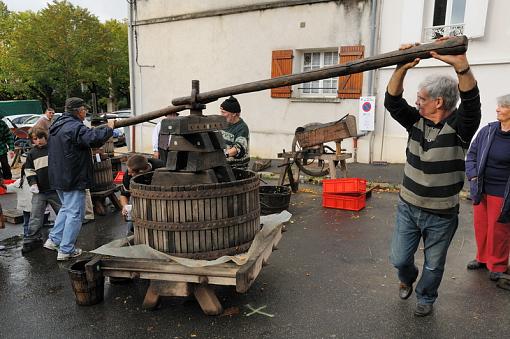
x: 49, y: 244
x: 66, y: 256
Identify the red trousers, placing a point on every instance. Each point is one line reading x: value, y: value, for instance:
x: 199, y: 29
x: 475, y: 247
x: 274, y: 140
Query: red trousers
x: 492, y: 237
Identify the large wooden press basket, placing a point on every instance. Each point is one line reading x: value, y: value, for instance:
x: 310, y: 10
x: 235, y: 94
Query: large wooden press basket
x: 202, y: 221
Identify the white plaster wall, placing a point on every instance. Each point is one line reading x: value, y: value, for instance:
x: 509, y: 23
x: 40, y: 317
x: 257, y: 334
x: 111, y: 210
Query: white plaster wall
x: 233, y: 49
x: 149, y: 9
x: 228, y: 50
x: 489, y: 58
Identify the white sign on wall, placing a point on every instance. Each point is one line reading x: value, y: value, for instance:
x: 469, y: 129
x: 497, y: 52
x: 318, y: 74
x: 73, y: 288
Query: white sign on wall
x: 366, y: 116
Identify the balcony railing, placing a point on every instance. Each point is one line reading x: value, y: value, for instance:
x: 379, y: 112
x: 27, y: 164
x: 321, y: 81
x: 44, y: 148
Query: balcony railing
x: 436, y: 32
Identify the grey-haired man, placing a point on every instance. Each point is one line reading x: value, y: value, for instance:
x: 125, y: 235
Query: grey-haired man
x: 70, y: 172
x: 439, y: 134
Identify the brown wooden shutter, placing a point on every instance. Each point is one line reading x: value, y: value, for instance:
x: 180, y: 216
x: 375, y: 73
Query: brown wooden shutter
x: 350, y: 86
x: 281, y: 65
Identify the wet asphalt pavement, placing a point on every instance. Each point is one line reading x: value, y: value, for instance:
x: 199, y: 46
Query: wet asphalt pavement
x: 330, y: 278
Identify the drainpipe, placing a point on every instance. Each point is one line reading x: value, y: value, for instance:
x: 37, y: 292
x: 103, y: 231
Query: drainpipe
x: 132, y: 56
x: 374, y: 9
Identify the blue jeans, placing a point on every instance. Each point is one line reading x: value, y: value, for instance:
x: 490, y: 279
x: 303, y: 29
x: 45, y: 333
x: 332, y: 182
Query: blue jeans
x: 437, y: 231
x: 39, y: 203
x: 26, y: 220
x: 68, y: 222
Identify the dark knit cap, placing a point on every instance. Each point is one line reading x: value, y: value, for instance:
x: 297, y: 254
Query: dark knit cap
x: 74, y: 103
x: 231, y: 105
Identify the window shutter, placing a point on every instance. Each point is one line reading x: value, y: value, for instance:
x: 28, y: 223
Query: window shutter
x: 474, y: 18
x: 412, y: 21
x: 349, y: 86
x: 281, y: 65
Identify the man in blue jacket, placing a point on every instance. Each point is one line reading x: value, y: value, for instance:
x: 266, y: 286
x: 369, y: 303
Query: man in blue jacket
x: 70, y: 171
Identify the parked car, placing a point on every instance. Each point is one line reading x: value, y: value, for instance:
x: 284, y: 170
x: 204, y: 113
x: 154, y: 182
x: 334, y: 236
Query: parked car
x: 14, y: 121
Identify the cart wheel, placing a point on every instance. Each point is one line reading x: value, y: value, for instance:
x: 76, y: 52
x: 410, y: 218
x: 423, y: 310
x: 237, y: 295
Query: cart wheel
x: 311, y: 166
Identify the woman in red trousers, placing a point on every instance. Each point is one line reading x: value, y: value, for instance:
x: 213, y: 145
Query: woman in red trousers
x: 488, y: 172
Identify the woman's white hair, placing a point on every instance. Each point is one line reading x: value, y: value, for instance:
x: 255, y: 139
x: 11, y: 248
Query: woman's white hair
x: 504, y: 100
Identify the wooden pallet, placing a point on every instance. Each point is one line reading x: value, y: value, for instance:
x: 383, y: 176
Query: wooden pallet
x: 168, y: 278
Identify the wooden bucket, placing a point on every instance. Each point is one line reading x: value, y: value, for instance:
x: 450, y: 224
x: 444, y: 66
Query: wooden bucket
x: 204, y: 221
x: 103, y: 175
x: 86, y: 292
x: 109, y: 147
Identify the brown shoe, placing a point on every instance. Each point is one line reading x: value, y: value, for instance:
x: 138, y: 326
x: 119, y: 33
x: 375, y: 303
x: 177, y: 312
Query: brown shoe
x: 405, y: 291
x: 423, y: 310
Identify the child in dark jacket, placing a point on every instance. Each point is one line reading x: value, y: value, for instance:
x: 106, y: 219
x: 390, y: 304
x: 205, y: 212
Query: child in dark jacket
x: 36, y: 169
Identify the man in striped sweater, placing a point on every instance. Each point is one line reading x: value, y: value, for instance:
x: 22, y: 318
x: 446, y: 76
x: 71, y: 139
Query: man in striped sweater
x: 438, y: 138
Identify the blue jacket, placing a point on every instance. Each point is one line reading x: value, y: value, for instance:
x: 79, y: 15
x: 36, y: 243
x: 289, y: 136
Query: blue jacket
x: 69, y: 156
x: 476, y: 160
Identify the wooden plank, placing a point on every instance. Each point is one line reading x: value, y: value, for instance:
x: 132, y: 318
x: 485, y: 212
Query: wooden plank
x: 201, y: 217
x: 248, y: 272
x: 190, y: 278
x: 171, y: 289
x: 189, y: 234
x: 207, y: 216
x: 159, y: 216
x: 196, y: 217
x: 227, y: 231
x: 109, y: 264
x: 182, y: 218
x: 214, y: 232
x: 218, y: 234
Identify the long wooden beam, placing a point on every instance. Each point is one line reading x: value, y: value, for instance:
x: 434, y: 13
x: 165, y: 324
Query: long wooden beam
x: 148, y: 116
x: 452, y: 46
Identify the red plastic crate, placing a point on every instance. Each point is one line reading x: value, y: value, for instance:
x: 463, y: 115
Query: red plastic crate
x: 344, y: 202
x: 119, y: 177
x: 344, y: 185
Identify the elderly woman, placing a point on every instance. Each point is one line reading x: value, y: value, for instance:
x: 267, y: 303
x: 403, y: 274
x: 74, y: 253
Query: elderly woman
x: 488, y: 171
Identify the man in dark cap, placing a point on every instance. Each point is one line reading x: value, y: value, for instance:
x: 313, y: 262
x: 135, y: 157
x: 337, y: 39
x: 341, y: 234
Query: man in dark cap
x: 236, y: 135
x: 70, y: 172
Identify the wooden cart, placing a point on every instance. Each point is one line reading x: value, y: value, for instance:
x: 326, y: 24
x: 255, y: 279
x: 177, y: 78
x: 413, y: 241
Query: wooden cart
x: 311, y: 154
x: 168, y: 278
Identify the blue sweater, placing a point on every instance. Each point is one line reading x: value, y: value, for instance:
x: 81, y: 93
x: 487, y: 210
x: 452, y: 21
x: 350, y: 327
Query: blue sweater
x: 476, y: 164
x: 497, y: 170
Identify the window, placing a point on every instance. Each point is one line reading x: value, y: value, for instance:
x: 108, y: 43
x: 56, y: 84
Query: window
x: 345, y: 87
x: 448, y: 19
x: 316, y: 60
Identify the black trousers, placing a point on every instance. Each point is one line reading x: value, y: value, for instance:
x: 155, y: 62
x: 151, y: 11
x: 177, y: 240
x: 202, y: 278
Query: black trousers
x: 6, y: 169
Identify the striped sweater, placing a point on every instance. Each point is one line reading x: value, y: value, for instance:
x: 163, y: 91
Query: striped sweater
x: 238, y: 135
x: 36, y: 168
x: 434, y: 169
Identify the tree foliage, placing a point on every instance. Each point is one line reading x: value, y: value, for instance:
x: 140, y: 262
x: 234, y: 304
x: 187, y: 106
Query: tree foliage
x: 61, y: 51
